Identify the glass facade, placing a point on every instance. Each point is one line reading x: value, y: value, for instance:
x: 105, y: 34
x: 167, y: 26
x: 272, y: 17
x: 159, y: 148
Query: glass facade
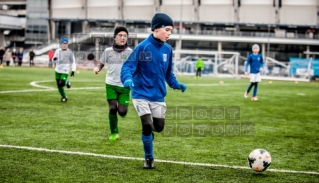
x: 36, y: 30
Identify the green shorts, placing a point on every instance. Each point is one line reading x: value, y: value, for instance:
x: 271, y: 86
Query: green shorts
x: 121, y: 94
x: 61, y: 76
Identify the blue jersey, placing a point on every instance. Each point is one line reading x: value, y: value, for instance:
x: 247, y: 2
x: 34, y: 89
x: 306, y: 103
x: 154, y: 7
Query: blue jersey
x: 150, y: 66
x: 256, y: 62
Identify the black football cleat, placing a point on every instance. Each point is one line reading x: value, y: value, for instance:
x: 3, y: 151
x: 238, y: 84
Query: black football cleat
x: 64, y: 99
x: 149, y: 164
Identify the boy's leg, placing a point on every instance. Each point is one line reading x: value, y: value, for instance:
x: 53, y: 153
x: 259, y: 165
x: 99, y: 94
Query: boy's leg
x: 113, y: 116
x: 200, y: 73
x: 250, y: 87
x: 258, y: 79
x: 111, y: 97
x: 123, y: 100
x: 61, y: 81
x: 255, y: 90
x: 143, y: 110
x: 158, y: 110
x: 252, y: 83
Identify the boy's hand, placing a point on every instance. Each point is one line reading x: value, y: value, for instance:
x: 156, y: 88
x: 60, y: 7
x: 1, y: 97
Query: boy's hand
x: 261, y: 69
x: 246, y: 73
x: 96, y: 70
x: 72, y: 74
x: 182, y: 87
x: 128, y: 84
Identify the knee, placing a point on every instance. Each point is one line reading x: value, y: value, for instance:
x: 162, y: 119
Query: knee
x: 147, y: 129
x: 122, y: 112
x: 159, y: 128
x: 113, y: 110
x: 60, y: 83
x: 158, y: 124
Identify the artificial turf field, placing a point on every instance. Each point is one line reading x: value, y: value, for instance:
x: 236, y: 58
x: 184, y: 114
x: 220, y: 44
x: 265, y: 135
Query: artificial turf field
x: 285, y: 122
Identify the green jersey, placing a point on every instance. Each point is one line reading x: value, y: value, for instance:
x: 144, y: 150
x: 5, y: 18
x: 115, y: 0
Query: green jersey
x: 199, y: 64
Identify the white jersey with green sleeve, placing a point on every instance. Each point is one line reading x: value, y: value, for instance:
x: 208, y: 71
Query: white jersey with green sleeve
x: 64, y: 59
x: 113, y: 62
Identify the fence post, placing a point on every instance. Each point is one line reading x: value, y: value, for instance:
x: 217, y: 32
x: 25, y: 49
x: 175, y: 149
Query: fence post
x: 236, y: 65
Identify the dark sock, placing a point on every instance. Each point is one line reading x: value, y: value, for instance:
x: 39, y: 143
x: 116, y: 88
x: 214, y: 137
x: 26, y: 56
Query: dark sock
x: 148, y: 146
x: 113, y: 121
x: 255, y: 90
x: 249, y: 87
x: 61, y: 91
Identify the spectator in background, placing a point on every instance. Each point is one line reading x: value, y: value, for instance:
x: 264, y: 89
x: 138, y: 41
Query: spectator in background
x: 20, y: 56
x: 7, y: 56
x: 2, y: 52
x: 31, y: 57
x: 14, y: 56
x: 50, y: 55
x: 91, y: 59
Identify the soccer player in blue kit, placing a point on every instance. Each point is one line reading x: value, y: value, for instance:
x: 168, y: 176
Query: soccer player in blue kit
x: 145, y: 71
x: 256, y: 62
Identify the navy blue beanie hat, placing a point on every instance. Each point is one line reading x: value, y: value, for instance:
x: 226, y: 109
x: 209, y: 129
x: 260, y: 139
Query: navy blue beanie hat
x: 161, y: 20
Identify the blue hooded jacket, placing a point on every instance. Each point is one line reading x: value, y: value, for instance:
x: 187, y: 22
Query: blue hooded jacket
x: 149, y: 66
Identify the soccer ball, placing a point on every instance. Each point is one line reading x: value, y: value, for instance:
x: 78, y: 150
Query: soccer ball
x: 259, y: 160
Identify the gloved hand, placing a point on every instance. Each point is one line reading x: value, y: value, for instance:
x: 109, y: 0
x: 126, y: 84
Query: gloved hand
x: 72, y: 74
x: 128, y: 84
x: 182, y: 87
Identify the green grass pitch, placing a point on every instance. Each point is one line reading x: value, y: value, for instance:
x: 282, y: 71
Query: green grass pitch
x: 285, y: 121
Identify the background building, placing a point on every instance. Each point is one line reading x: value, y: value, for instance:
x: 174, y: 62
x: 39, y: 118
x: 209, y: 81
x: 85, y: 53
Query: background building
x: 284, y: 28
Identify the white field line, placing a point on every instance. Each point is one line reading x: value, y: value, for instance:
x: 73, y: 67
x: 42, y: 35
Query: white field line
x: 141, y: 159
x: 34, y: 83
x: 46, y: 88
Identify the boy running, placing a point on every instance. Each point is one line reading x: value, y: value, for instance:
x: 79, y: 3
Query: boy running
x: 64, y: 58
x: 116, y: 95
x: 145, y: 72
x: 256, y: 62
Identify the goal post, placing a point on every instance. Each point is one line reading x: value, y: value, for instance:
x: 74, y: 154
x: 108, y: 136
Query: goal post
x: 216, y: 64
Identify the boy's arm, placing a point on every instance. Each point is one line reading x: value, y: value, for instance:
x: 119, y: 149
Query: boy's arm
x: 247, y: 63
x: 171, y: 79
x: 101, y: 63
x: 73, y: 63
x: 261, y: 62
x: 129, y: 66
x: 56, y: 55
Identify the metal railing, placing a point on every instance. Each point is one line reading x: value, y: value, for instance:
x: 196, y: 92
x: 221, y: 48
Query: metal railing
x: 217, y: 33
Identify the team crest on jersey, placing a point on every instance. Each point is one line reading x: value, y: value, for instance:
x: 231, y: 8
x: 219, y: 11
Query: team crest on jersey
x: 258, y: 58
x: 165, y: 57
x: 123, y: 56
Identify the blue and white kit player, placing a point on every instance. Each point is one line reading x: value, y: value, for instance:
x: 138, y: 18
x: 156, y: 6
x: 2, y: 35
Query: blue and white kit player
x: 256, y: 63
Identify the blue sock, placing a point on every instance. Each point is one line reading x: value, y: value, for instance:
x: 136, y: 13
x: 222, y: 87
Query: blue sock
x: 148, y: 146
x: 255, y: 90
x: 249, y: 88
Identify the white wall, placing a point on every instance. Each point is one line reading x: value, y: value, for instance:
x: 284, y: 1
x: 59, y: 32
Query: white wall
x: 298, y: 12
x: 138, y: 10
x: 257, y: 11
x: 216, y: 11
x: 173, y: 9
x: 97, y: 9
x: 68, y: 9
